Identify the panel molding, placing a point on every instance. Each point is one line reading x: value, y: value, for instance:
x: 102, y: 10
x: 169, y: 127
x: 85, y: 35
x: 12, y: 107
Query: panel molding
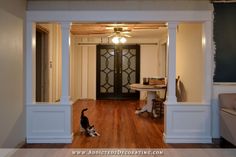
x: 187, y: 123
x: 49, y: 123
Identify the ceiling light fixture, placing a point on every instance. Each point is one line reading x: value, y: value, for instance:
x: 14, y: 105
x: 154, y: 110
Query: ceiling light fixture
x: 123, y: 40
x: 119, y: 36
x: 115, y: 40
x: 119, y: 39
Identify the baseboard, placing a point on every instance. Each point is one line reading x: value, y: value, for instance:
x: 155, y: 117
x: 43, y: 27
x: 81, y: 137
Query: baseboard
x: 48, y: 139
x: 21, y: 144
x: 181, y: 139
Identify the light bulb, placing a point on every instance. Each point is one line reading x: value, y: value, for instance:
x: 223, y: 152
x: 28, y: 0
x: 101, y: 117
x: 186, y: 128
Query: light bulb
x: 123, y: 40
x: 115, y: 40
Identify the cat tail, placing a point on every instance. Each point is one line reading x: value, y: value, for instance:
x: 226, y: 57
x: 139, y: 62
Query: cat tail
x: 82, y: 112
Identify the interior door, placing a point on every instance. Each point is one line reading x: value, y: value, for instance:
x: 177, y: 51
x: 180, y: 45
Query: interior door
x: 117, y: 68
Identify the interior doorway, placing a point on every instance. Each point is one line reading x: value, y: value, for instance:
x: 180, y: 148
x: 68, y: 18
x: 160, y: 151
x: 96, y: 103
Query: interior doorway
x: 118, y: 66
x: 42, y: 65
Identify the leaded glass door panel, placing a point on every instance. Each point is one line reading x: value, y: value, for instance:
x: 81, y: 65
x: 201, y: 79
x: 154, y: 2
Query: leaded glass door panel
x: 129, y: 69
x: 117, y: 68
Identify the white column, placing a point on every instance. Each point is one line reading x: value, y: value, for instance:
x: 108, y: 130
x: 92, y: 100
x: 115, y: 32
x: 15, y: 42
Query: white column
x: 65, y: 35
x: 208, y: 60
x: 171, y: 88
x: 30, y: 62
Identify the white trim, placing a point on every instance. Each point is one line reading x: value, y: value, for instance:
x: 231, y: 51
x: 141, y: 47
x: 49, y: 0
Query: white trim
x: 208, y: 60
x: 171, y: 50
x: 30, y: 49
x: 225, y: 83
x: 124, y: 16
x: 65, y: 43
x: 50, y: 139
x: 187, y: 139
x: 47, y: 104
x: 189, y: 104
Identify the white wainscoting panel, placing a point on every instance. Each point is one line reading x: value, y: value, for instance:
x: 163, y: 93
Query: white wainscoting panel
x: 187, y: 123
x: 49, y: 123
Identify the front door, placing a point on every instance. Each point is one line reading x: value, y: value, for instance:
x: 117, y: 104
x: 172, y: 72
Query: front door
x: 118, y: 66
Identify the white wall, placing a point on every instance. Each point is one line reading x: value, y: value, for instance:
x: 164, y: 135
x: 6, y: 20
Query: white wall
x: 83, y: 70
x: 148, y: 63
x: 91, y: 93
x: 162, y: 59
x: 77, y: 72
x: 189, y: 60
x: 12, y: 112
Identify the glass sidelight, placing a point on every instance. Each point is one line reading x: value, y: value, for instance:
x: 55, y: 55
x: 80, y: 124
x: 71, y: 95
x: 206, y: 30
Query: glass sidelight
x: 117, y: 68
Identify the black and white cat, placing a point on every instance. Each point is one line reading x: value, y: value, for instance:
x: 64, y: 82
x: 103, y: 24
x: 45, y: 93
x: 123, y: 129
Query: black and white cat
x: 85, y: 126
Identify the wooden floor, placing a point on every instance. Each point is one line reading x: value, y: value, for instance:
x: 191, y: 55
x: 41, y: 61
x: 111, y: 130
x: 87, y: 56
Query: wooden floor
x: 118, y: 126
